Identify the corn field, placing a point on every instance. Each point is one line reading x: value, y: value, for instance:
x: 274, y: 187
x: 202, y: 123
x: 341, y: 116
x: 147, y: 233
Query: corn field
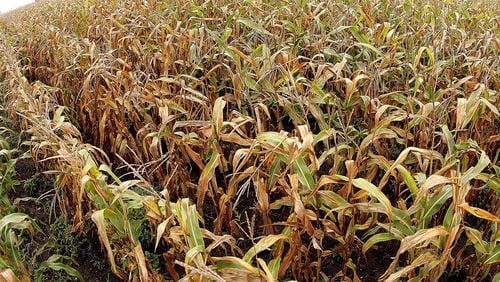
x: 261, y: 140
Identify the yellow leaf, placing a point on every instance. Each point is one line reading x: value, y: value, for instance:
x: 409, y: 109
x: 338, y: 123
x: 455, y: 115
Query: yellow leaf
x: 477, y: 212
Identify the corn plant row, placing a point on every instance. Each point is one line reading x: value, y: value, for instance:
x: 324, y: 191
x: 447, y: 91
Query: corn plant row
x: 264, y: 139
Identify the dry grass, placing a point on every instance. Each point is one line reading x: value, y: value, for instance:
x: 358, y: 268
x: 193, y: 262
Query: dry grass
x: 268, y: 139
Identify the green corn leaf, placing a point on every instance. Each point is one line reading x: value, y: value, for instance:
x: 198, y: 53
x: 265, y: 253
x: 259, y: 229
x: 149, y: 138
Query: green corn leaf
x: 206, y: 175
x: 476, y: 237
x: 496, y: 278
x: 274, y: 267
x: 100, y: 222
x: 52, y: 263
x: 450, y: 142
x: 331, y: 199
x: 474, y: 171
x: 435, y: 203
x: 371, y: 47
x: 374, y: 192
x: 494, y: 257
x: 190, y: 222
x: 274, y: 139
x: 305, y: 175
x: 234, y: 262
x: 254, y: 26
x: 448, y: 217
x: 408, y: 179
x: 15, y: 221
x: 359, y: 35
x: 262, y: 245
x: 375, y: 239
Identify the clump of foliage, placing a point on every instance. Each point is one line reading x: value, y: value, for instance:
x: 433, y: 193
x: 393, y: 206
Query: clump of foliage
x: 64, y: 241
x: 7, y: 171
x: 18, y: 230
x: 325, y: 134
x: 36, y: 184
